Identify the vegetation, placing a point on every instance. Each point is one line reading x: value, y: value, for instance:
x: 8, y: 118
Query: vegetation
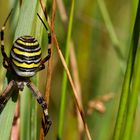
x: 100, y: 42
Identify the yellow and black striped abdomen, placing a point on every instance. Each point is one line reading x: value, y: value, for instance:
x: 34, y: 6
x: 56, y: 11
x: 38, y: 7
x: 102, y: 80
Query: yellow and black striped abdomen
x: 26, y: 56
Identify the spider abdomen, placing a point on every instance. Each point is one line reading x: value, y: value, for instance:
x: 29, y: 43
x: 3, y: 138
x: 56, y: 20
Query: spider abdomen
x: 25, y: 56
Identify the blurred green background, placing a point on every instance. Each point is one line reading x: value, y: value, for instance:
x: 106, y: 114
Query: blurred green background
x: 100, y: 67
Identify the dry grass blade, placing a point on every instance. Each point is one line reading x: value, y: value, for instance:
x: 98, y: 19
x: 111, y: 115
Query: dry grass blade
x: 64, y: 18
x: 45, y: 11
x: 49, y: 68
x: 16, y: 123
x: 79, y: 106
x: 62, y: 11
x: 53, y: 15
x: 49, y: 71
x: 77, y: 86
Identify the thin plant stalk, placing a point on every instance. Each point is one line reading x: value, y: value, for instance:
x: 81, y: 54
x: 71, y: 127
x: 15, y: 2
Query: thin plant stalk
x: 116, y: 43
x: 16, y: 123
x: 64, y: 18
x: 78, y: 103
x: 49, y: 71
x: 49, y: 68
x: 78, y: 88
x: 64, y: 81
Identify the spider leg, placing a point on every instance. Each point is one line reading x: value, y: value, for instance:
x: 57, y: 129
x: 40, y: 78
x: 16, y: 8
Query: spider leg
x: 6, y: 60
x: 4, y: 97
x: 47, y: 57
x: 42, y: 63
x: 42, y: 66
x: 46, y: 122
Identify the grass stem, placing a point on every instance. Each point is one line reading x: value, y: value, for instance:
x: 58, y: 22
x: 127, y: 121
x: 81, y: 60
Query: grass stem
x: 64, y: 82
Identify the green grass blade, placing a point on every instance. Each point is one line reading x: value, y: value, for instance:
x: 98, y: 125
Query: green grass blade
x: 7, y: 115
x: 133, y: 97
x: 123, y: 101
x: 25, y: 115
x: 6, y: 119
x: 25, y: 27
x: 133, y: 100
x: 121, y: 120
x: 28, y: 12
x: 36, y: 117
x: 116, y: 43
x: 29, y: 121
x: 64, y: 82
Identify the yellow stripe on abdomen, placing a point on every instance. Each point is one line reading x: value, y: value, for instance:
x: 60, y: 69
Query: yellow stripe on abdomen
x: 25, y: 65
x: 28, y: 54
x: 27, y: 43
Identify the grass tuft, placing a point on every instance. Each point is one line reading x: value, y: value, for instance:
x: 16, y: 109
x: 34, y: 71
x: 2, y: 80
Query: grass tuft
x: 129, y: 94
